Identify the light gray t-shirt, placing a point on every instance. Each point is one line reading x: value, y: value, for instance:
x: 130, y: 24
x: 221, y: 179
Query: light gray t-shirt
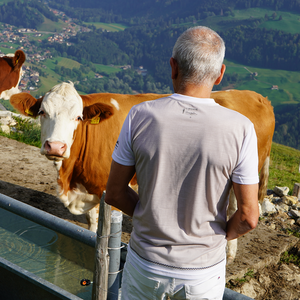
x: 186, y: 152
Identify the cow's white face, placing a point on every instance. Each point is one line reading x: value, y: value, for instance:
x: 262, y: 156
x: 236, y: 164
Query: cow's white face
x: 60, y: 112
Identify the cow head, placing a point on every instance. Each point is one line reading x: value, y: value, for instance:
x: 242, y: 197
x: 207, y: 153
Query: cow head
x: 11, y: 73
x: 60, y: 110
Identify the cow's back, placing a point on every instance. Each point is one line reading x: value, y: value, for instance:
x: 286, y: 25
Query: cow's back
x: 90, y: 159
x: 258, y: 110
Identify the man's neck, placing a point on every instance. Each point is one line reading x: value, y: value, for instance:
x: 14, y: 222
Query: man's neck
x: 196, y: 91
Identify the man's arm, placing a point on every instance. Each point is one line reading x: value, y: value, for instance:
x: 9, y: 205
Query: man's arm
x: 118, y: 193
x: 246, y: 217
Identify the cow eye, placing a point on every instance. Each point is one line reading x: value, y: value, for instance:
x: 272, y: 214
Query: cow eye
x: 41, y: 113
x: 78, y: 118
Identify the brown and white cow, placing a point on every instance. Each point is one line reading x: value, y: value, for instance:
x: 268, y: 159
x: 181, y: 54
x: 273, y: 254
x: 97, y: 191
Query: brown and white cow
x: 79, y: 133
x: 11, y: 73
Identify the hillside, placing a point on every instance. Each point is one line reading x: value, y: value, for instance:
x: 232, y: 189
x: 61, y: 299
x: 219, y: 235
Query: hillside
x: 124, y: 47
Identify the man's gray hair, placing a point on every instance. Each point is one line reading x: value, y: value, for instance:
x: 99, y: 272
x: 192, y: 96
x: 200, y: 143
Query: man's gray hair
x: 199, y: 52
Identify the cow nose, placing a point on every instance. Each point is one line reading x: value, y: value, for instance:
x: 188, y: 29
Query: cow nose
x: 55, y: 148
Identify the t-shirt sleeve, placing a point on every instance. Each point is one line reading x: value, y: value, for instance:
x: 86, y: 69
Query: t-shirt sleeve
x: 246, y: 171
x: 123, y: 153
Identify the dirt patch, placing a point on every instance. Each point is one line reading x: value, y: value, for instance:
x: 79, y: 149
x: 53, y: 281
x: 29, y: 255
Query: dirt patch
x: 29, y: 177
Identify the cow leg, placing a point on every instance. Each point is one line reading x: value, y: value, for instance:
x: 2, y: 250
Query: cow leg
x: 263, y: 180
x: 92, y: 218
x: 231, y: 245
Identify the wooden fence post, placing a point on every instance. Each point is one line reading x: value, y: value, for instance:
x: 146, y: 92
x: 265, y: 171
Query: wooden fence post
x: 100, y: 281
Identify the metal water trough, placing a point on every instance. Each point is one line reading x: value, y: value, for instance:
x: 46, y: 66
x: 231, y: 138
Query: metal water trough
x: 15, y: 281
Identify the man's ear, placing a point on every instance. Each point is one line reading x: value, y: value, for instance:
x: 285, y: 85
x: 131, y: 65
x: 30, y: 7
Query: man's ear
x: 174, y: 66
x: 219, y: 79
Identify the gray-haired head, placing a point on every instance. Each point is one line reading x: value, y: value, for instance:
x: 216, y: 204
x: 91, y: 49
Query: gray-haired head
x: 199, y: 52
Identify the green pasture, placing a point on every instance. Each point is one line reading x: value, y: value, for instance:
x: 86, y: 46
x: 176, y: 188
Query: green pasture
x: 7, y: 50
x: 107, y: 26
x: 290, y: 22
x: 287, y: 81
x: 7, y: 104
x: 10, y: 49
x: 46, y: 83
x: 67, y: 63
x: 32, y: 37
x: 284, y: 166
x: 70, y: 64
x: 54, y: 78
x: 50, y: 26
x: 106, y: 69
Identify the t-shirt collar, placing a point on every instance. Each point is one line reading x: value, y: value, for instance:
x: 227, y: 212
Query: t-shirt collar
x: 180, y: 97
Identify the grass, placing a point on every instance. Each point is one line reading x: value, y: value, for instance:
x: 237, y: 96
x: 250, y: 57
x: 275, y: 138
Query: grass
x: 290, y: 21
x: 27, y: 132
x: 107, y: 26
x: 51, y: 26
x: 10, y: 47
x: 53, y: 78
x: 46, y: 82
x: 290, y: 231
x: 106, y: 69
x: 7, y: 104
x: 287, y: 81
x: 44, y: 36
x: 67, y: 63
x: 284, y: 166
x: 238, y: 281
x: 291, y: 257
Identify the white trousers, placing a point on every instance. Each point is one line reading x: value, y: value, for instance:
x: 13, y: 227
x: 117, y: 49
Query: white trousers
x: 139, y: 284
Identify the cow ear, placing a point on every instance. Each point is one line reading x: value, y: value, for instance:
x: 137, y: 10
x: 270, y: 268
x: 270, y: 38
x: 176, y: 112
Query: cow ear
x: 26, y: 104
x: 19, y: 59
x: 97, y: 112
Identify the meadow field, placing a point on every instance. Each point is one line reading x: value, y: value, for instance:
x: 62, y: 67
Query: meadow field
x: 50, y: 26
x: 287, y: 81
x: 53, y: 78
x: 290, y: 22
x: 105, y: 26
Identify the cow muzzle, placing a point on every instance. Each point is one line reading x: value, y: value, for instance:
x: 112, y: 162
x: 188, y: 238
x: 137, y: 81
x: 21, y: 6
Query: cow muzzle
x: 55, y: 150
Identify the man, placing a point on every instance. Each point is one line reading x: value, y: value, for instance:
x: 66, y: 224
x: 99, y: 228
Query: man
x: 187, y: 152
